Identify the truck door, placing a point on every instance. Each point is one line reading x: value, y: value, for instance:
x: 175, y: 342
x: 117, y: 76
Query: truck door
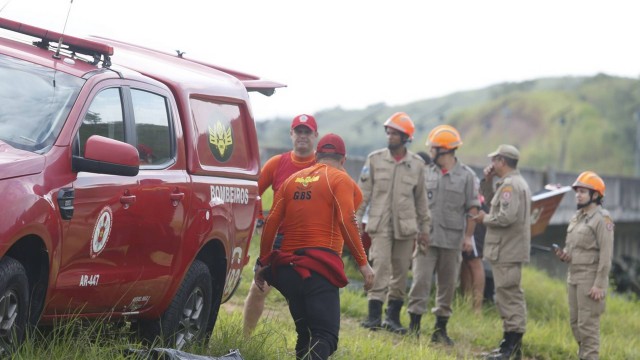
x: 162, y: 199
x: 126, y: 231
x: 96, y: 251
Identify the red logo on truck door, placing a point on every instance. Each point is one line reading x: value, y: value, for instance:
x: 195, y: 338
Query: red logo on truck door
x: 101, y: 231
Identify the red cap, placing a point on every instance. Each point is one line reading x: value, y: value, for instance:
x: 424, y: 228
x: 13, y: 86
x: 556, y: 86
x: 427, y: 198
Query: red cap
x: 304, y: 120
x: 331, y: 144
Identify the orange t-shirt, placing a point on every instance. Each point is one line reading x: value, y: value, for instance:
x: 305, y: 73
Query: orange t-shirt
x: 269, y: 173
x: 317, y: 206
x: 277, y: 169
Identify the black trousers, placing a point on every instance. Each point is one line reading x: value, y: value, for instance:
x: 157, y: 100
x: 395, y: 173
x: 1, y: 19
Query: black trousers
x: 314, y: 304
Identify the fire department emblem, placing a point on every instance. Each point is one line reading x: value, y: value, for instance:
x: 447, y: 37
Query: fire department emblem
x: 101, y: 231
x: 306, y: 180
x: 221, y: 141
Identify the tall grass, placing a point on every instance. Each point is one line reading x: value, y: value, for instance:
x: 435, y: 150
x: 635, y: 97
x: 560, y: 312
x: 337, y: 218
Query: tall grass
x: 548, y: 333
x: 78, y: 339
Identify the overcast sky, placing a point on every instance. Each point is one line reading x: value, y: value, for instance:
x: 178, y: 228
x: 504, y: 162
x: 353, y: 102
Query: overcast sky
x: 353, y: 53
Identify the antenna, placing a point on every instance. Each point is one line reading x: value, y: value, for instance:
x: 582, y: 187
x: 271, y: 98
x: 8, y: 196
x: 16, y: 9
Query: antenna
x: 57, y: 54
x: 5, y: 5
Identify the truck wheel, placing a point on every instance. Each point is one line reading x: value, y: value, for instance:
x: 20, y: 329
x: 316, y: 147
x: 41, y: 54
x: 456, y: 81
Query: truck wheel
x: 14, y: 304
x: 185, y: 321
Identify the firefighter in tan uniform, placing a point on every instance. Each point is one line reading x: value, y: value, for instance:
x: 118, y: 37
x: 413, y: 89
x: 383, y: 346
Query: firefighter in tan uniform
x: 453, y: 202
x: 393, y: 189
x: 507, y: 244
x: 588, y: 250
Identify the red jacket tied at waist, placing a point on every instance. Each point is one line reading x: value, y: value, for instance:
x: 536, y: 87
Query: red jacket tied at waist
x: 326, y: 263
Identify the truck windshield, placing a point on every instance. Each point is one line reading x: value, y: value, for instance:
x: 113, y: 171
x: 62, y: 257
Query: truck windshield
x: 34, y: 103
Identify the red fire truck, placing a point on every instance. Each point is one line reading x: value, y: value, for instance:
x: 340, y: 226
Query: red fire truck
x: 128, y: 179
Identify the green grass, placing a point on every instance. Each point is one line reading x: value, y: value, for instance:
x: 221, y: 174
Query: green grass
x: 78, y: 339
x: 267, y: 199
x: 548, y: 333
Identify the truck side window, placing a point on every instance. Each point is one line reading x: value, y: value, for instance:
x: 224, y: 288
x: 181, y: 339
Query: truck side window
x: 105, y: 118
x: 222, y: 134
x: 152, y: 127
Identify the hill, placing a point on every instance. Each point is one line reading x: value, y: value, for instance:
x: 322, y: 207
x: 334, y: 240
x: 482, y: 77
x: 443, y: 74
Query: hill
x: 567, y: 123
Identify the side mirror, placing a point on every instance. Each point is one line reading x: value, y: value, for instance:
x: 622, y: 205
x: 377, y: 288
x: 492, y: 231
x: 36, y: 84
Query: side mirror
x: 107, y: 156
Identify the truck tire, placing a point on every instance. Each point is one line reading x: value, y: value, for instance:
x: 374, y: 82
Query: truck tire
x: 185, y: 321
x: 14, y: 304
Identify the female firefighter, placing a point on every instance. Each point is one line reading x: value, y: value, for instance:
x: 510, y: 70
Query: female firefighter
x: 588, y: 250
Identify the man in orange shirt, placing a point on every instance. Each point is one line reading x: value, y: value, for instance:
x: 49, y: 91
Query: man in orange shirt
x: 304, y: 133
x: 317, y: 207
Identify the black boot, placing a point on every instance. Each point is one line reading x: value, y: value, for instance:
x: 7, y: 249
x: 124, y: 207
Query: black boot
x: 392, y: 320
x: 517, y: 346
x: 440, y: 333
x: 510, y: 347
x: 500, y: 345
x: 374, y: 320
x: 414, y: 324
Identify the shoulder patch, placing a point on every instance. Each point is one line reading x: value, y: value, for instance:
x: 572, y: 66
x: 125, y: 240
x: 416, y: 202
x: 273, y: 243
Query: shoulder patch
x: 608, y: 223
x: 506, y: 192
x: 364, y: 174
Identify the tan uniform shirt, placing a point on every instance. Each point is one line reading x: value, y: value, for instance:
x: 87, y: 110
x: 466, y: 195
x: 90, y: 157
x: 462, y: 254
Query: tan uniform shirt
x: 450, y: 196
x: 395, y: 193
x: 508, y: 238
x: 590, y: 245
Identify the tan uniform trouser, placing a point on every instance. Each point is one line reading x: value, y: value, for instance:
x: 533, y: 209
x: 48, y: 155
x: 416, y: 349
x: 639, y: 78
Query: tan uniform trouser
x: 446, y: 264
x: 510, y: 296
x: 391, y: 259
x: 584, y: 314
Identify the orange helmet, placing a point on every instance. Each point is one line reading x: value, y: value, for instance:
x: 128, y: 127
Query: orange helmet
x: 444, y: 136
x: 401, y: 122
x: 591, y: 181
